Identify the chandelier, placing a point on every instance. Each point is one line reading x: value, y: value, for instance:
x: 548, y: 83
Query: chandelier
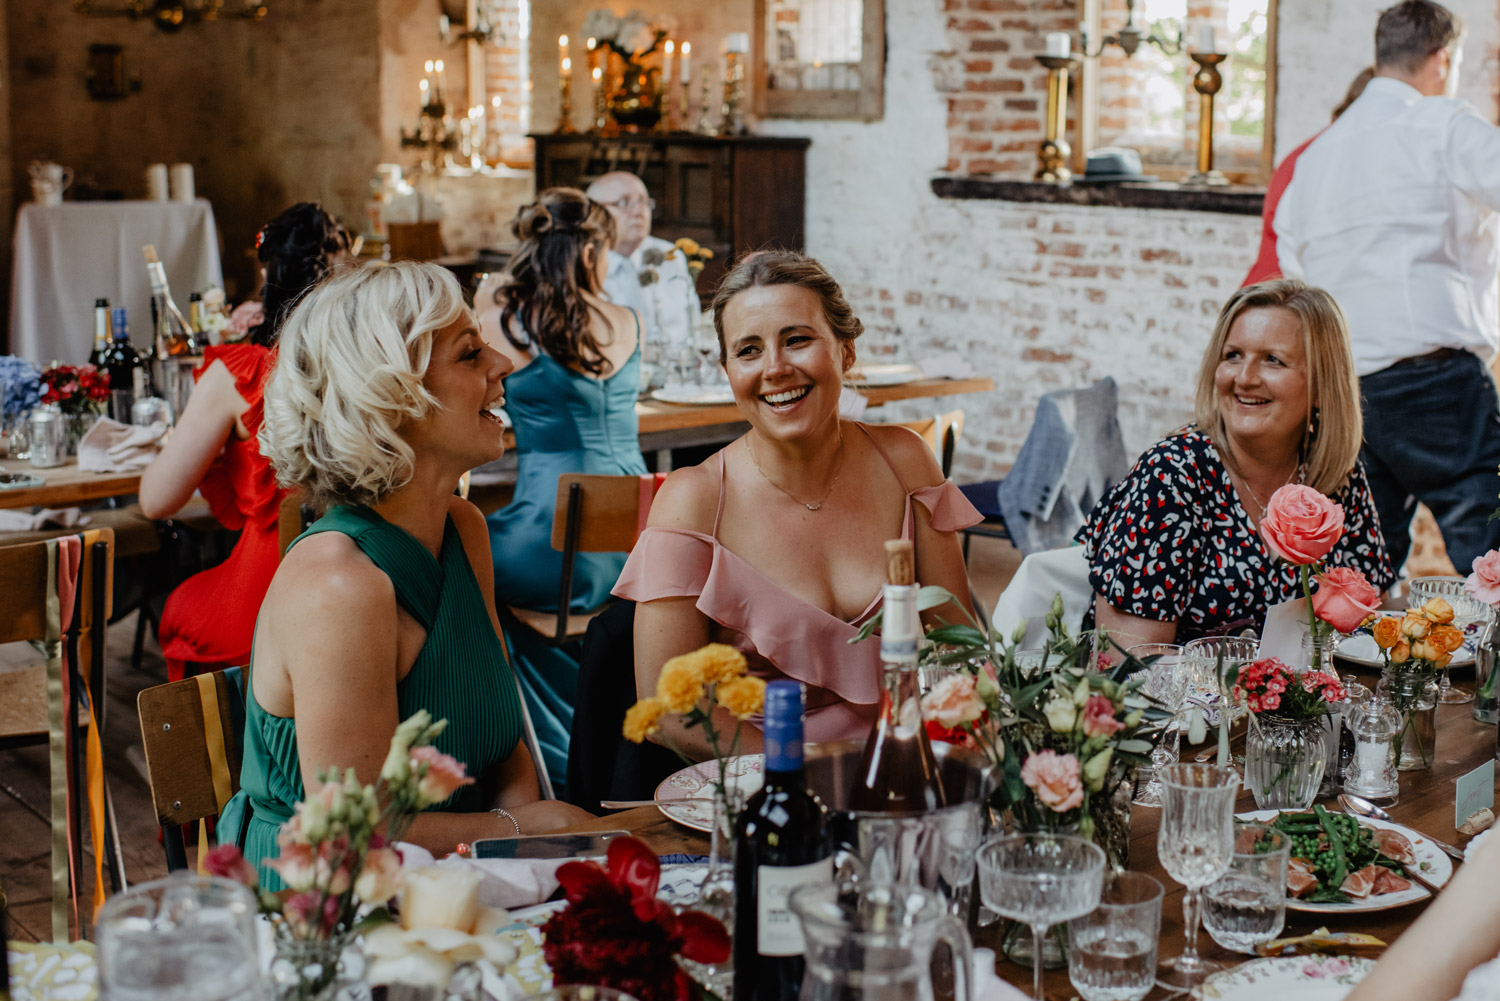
x: 172, y: 15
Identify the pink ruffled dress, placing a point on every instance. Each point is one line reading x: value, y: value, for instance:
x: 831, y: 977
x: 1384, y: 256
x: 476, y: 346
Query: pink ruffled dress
x: 781, y: 635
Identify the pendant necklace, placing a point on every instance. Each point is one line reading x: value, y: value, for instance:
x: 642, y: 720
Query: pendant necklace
x: 815, y: 505
x: 1295, y: 474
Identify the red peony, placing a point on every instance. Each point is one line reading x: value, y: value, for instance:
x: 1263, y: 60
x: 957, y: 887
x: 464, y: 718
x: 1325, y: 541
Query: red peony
x: 615, y: 933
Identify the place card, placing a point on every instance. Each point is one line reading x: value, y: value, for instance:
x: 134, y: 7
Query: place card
x: 1281, y: 638
x: 1476, y: 791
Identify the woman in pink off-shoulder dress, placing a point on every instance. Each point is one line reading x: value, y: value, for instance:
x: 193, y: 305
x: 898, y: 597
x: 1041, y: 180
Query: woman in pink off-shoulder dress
x: 776, y: 543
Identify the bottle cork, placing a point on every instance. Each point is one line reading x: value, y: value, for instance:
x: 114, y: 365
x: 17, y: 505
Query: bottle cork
x: 900, y: 563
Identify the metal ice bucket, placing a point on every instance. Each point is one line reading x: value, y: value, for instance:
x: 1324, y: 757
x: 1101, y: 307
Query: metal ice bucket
x: 935, y: 849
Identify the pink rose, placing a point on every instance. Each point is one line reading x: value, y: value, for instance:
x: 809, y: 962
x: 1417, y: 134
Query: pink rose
x: 953, y: 701
x: 439, y: 774
x: 1055, y: 780
x: 226, y: 861
x: 1301, y: 525
x: 1099, y: 717
x: 1484, y: 582
x: 380, y: 877
x: 296, y: 864
x: 1344, y: 598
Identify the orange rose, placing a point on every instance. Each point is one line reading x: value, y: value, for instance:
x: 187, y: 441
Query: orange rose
x: 1438, y: 610
x: 1401, y: 652
x: 1387, y: 632
x: 1449, y: 638
x: 1414, y: 626
x: 1426, y: 650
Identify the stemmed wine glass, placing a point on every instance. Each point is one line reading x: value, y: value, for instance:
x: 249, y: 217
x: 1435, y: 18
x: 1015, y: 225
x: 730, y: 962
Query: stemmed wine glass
x: 1167, y: 683
x: 1040, y: 879
x: 1195, y: 845
x: 1206, y: 656
x: 1467, y: 610
x: 706, y: 343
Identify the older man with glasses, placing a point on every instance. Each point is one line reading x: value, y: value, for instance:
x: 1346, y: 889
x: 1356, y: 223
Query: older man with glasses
x: 645, y: 272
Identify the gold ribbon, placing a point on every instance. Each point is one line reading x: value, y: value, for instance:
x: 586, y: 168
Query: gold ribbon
x: 94, y: 762
x: 218, y: 760
x: 51, y: 648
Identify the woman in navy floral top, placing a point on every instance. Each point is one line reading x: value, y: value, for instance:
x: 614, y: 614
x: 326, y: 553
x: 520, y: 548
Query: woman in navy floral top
x: 1174, y: 549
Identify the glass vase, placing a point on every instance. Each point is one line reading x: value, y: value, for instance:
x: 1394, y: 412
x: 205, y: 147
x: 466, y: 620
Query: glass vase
x: 78, y: 426
x: 1317, y: 651
x: 1284, y: 760
x: 1486, y: 677
x: 330, y: 969
x: 1414, y: 693
x: 716, y: 894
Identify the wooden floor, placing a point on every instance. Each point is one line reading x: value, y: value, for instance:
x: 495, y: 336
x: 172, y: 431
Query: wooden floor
x: 24, y: 783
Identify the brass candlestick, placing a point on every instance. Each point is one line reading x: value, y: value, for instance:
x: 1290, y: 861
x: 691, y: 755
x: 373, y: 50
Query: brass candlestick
x: 731, y: 116
x: 601, y: 104
x: 687, y: 104
x: 704, y: 126
x: 565, y: 117
x: 1206, y: 82
x: 1052, y: 155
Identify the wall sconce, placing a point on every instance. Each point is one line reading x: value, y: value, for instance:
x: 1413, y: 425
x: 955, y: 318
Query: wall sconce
x: 1130, y: 37
x: 171, y: 15
x: 486, y: 28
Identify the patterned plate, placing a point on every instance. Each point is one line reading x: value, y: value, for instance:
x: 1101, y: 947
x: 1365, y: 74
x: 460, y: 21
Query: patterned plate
x: 1287, y: 978
x: 1438, y: 869
x: 1361, y: 648
x: 687, y: 796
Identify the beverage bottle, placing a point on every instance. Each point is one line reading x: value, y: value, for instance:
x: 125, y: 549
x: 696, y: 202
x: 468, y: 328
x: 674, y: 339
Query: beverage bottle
x: 173, y: 336
x: 782, y: 841
x: 126, y: 371
x: 101, y: 332
x: 195, y: 315
x: 898, y: 772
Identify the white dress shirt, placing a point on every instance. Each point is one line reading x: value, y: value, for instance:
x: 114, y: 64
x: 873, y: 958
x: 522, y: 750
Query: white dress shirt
x: 667, y: 299
x: 622, y: 286
x: 1393, y: 211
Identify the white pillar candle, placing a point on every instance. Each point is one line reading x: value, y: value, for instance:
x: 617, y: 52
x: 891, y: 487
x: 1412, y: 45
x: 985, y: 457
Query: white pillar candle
x: 1206, y: 38
x: 687, y: 51
x: 666, y: 64
x: 564, y: 62
x: 1058, y: 44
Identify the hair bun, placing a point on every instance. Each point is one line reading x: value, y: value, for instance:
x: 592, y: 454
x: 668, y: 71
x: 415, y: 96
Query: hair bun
x: 533, y: 221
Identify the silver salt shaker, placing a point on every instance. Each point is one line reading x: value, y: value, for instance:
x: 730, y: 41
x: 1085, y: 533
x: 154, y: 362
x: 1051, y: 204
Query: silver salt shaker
x: 48, y: 432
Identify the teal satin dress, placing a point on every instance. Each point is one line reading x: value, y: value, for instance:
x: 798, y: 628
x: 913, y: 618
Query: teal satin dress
x: 564, y: 422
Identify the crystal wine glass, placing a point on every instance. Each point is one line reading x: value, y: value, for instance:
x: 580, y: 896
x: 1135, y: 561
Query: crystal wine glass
x: 1195, y: 845
x: 1167, y: 683
x: 1467, y: 610
x: 1040, y: 879
x: 1206, y: 656
x: 706, y: 343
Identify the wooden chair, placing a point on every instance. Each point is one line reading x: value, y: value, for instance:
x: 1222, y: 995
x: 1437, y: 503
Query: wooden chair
x: 941, y: 433
x: 594, y: 514
x: 27, y: 710
x: 193, y: 735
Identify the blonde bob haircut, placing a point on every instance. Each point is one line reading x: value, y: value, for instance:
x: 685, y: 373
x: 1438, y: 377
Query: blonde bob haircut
x: 348, y: 378
x: 1333, y: 428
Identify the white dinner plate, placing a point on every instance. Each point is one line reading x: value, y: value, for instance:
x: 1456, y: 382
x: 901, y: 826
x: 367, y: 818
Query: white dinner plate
x: 694, y: 395
x: 1287, y: 978
x: 1439, y: 870
x: 687, y: 796
x: 1360, y: 648
x: 884, y: 374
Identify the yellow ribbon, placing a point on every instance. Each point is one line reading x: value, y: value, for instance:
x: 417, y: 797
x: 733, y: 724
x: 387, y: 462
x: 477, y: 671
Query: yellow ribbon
x: 51, y: 647
x: 218, y: 760
x: 94, y: 760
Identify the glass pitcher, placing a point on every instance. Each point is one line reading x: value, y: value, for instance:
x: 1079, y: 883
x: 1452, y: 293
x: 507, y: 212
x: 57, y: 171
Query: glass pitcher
x: 874, y: 942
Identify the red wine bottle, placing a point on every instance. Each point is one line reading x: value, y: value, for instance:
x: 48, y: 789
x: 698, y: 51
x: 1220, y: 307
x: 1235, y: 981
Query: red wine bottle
x: 898, y: 772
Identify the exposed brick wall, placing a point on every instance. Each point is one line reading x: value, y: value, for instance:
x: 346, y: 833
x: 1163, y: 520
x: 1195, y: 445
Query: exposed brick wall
x: 506, y: 71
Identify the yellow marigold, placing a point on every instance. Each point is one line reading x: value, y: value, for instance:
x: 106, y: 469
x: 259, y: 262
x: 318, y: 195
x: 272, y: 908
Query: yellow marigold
x: 680, y: 684
x: 1438, y: 610
x: 688, y: 245
x: 719, y: 662
x: 643, y: 718
x: 1415, y: 626
x: 1450, y: 638
x: 1387, y: 633
x: 743, y: 696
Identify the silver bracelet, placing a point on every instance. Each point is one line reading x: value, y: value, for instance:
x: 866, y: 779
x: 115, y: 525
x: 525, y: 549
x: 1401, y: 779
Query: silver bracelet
x: 507, y: 815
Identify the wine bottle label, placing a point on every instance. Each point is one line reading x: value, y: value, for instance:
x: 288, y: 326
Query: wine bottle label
x: 777, y: 930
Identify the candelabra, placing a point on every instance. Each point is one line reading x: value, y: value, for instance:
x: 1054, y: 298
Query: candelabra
x: 704, y: 126
x: 731, y: 112
x: 1052, y: 155
x: 1206, y: 82
x: 1131, y: 36
x: 565, y: 113
x: 435, y: 137
x: 601, y: 103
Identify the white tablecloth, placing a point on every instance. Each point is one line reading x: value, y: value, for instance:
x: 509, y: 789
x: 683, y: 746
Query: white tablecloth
x: 68, y: 255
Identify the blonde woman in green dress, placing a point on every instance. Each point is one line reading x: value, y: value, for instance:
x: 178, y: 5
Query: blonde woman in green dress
x: 381, y: 399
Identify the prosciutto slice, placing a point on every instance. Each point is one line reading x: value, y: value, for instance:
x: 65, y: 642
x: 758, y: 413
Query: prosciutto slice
x: 1299, y: 877
x: 1389, y: 882
x: 1361, y: 884
x: 1394, y: 845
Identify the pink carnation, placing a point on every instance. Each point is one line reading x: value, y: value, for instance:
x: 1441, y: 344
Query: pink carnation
x: 1055, y: 780
x: 1099, y: 717
x: 953, y: 701
x: 440, y: 774
x: 226, y: 861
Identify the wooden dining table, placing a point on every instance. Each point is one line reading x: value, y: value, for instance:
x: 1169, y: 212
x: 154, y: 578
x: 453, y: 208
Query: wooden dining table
x: 1425, y: 805
x: 662, y: 426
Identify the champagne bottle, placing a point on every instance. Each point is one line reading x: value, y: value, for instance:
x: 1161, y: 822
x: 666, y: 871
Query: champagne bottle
x: 101, y: 332
x: 126, y: 371
x: 173, y: 335
x: 782, y: 841
x: 898, y: 772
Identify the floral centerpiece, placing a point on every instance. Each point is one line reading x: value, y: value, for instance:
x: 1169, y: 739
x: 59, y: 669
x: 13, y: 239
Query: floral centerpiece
x: 20, y: 388
x: 1287, y: 746
x: 334, y: 859
x: 694, y: 254
x: 1414, y: 648
x: 75, y: 389
x: 615, y: 933
x: 636, y: 102
x: 1484, y: 584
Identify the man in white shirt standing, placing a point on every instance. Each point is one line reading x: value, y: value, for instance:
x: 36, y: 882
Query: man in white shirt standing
x: 642, y: 275
x: 1393, y: 210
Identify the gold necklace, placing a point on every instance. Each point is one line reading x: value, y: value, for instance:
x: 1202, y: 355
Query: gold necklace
x: 826, y: 494
x: 1297, y: 473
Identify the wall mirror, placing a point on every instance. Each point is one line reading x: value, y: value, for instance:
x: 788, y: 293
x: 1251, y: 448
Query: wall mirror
x: 819, y: 59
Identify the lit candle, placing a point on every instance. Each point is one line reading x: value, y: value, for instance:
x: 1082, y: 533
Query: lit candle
x: 593, y: 45
x: 598, y: 75
x: 442, y: 80
x: 423, y: 88
x: 1206, y: 38
x: 666, y: 65
x: 567, y: 67
x: 562, y: 55
x: 1058, y: 44
x: 495, y: 111
x: 687, y: 51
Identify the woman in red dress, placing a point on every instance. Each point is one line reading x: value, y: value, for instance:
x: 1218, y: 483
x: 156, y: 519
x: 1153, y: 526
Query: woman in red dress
x: 209, y: 620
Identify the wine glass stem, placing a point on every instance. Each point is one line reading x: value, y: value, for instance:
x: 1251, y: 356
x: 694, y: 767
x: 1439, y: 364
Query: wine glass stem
x: 1038, y: 941
x: 1445, y: 684
x: 1192, y: 914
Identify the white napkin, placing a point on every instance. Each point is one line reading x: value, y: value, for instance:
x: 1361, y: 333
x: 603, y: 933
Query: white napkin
x: 852, y: 406
x: 112, y: 447
x: 946, y: 365
x: 508, y: 883
x: 1474, y: 844
x: 987, y: 984
x: 57, y: 517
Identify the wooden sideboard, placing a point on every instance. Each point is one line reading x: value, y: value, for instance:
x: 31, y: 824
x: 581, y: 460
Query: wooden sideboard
x: 733, y: 194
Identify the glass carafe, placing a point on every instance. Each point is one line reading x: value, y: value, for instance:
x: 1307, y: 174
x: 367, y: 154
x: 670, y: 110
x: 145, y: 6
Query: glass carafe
x: 875, y: 941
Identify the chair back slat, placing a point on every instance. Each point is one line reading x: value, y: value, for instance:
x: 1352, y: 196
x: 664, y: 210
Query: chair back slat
x: 23, y: 581
x: 176, y: 743
x: 609, y: 510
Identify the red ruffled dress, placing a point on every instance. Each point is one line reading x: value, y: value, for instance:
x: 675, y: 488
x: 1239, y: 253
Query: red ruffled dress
x: 209, y: 620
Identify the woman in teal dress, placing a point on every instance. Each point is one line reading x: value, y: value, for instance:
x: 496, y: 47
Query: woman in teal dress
x: 381, y: 399
x: 571, y: 400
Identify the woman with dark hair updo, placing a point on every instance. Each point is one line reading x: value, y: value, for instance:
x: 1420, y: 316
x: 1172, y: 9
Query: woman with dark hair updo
x: 572, y: 403
x: 776, y: 543
x: 209, y: 619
